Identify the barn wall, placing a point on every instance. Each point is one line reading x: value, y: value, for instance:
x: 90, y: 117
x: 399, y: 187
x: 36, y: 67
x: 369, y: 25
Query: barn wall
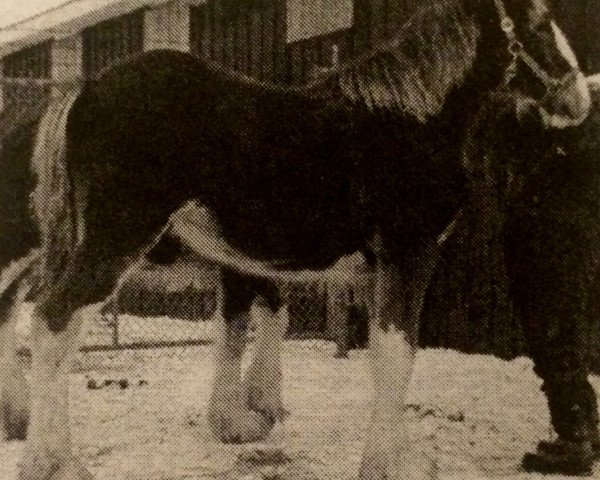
x: 257, y: 39
x: 33, y: 63
x: 248, y: 39
x: 112, y: 41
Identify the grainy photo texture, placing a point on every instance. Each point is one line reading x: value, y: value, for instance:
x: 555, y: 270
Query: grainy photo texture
x: 299, y: 239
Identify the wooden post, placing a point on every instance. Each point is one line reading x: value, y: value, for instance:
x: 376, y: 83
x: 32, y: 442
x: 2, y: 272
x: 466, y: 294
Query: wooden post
x: 1, y: 89
x: 66, y: 62
x: 167, y: 27
x: 338, y: 301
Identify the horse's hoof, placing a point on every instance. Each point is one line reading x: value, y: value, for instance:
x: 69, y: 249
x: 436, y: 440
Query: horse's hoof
x: 234, y: 423
x: 14, y: 423
x: 401, y: 466
x: 14, y: 414
x: 35, y: 468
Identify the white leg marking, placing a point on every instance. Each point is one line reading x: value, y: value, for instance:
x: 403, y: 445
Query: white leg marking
x: 230, y: 418
x: 14, y: 387
x: 575, y: 99
x: 48, y: 455
x: 393, y: 343
x: 263, y: 378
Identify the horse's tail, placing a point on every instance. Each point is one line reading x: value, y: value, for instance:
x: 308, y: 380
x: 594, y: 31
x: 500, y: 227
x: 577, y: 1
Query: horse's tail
x: 197, y: 228
x: 54, y: 199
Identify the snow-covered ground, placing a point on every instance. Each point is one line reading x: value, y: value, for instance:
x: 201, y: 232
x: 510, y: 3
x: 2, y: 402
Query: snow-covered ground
x: 476, y: 414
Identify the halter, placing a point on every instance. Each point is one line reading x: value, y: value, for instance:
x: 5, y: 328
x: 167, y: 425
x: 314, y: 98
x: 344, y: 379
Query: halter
x: 517, y: 52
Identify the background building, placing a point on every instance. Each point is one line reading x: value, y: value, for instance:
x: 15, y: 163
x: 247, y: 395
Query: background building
x: 284, y: 41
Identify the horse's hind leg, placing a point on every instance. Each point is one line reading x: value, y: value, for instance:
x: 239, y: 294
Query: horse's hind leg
x: 14, y: 388
x: 263, y: 379
x: 230, y: 418
x: 393, y: 338
x: 88, y: 278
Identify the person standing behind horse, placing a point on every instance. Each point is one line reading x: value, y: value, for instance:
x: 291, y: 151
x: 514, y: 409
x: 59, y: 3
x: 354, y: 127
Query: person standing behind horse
x: 552, y: 252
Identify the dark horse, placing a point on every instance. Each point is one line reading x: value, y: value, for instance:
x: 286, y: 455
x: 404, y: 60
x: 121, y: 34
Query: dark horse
x: 281, y: 180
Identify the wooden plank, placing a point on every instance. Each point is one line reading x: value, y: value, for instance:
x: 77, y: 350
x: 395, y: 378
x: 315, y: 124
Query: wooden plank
x: 136, y: 19
x: 204, y: 31
x: 101, y: 46
x: 311, y: 56
x: 280, y: 32
x: 291, y: 64
x: 377, y: 24
x: 218, y: 31
x: 240, y: 42
x: 361, y: 30
x: 247, y: 39
x: 121, y: 41
x: 228, y: 43
x: 195, y: 44
x: 200, y: 15
x: 256, y: 43
x: 396, y: 16
x: 325, y: 46
x: 268, y: 39
x: 113, y: 52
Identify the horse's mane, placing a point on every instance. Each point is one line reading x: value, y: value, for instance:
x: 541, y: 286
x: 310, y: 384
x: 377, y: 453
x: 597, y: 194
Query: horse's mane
x: 413, y: 72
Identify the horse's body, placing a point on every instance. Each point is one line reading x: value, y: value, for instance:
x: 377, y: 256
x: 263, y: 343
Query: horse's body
x: 367, y: 158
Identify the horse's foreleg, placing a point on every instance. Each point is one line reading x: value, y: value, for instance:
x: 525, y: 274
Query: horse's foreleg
x: 393, y: 341
x: 230, y: 418
x: 264, y: 377
x: 14, y: 388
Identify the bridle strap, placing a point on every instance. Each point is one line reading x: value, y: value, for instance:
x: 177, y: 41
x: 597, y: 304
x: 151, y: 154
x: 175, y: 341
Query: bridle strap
x: 517, y: 52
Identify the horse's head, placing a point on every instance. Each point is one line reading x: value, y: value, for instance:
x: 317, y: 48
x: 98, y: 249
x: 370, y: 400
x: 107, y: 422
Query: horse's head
x: 542, y: 67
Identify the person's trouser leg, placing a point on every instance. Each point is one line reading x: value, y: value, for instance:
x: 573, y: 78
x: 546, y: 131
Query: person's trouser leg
x: 551, y: 262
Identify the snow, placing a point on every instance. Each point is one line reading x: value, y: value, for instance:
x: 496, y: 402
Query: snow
x: 476, y: 414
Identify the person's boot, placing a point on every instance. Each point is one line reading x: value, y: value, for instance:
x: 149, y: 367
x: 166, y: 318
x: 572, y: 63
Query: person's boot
x: 561, y: 457
x: 553, y: 446
x: 574, y: 415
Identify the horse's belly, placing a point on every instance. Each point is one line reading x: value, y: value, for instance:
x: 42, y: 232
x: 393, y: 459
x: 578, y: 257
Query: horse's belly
x: 305, y: 216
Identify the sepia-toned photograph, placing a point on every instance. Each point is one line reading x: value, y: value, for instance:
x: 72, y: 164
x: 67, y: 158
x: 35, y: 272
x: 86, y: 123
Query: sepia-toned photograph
x: 299, y: 239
